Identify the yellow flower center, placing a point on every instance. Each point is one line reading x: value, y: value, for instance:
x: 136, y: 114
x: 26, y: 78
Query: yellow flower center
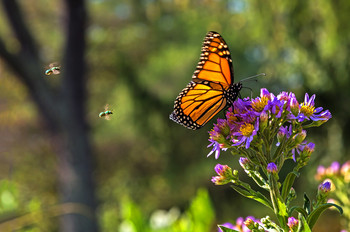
x: 307, y: 110
x: 246, y: 129
x: 260, y: 104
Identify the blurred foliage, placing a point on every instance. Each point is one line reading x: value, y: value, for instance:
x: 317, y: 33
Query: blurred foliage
x: 141, y: 53
x: 198, y: 217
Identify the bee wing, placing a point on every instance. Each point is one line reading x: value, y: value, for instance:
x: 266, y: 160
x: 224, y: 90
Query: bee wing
x: 53, y: 64
x: 55, y: 71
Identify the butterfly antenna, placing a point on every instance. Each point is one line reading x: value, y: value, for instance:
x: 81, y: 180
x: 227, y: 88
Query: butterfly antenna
x: 251, y: 91
x: 252, y: 77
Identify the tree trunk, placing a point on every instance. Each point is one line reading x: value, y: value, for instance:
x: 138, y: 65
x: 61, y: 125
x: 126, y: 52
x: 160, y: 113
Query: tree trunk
x: 63, y: 110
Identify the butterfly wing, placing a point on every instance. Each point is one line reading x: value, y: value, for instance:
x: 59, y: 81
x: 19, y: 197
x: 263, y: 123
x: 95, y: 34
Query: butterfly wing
x: 206, y: 95
x: 215, y: 62
x: 197, y: 104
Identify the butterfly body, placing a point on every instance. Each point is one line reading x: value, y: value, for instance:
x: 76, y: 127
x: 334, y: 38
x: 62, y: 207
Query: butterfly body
x: 211, y: 88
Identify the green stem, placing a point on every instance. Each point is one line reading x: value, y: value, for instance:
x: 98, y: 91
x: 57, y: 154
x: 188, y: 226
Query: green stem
x: 279, y: 206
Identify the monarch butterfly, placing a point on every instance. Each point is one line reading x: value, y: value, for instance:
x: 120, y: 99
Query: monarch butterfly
x: 211, y: 88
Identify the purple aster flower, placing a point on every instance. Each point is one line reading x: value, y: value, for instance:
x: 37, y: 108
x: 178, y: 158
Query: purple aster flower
x: 272, y: 168
x: 249, y: 117
x: 285, y: 97
x: 322, y: 116
x: 276, y: 107
x: 218, y: 137
x: 220, y: 131
x: 259, y: 104
x: 241, y: 106
x: 216, y: 148
x: 232, y: 120
x: 265, y: 93
x: 309, y: 112
x: 246, y: 134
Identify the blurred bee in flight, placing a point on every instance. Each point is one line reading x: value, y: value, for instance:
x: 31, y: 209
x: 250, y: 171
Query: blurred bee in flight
x: 106, y: 114
x: 53, y: 69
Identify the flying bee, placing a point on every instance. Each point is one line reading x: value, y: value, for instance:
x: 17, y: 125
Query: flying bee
x: 106, y: 114
x: 53, y: 69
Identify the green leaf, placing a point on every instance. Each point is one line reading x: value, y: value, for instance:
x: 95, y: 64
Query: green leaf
x: 201, y: 211
x: 282, y: 208
x: 225, y: 229
x: 307, y: 205
x: 315, y: 214
x: 288, y: 183
x: 299, y: 210
x: 253, y: 195
x: 303, y: 226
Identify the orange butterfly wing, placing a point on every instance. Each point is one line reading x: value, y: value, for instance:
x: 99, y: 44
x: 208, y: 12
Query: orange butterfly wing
x: 211, y: 86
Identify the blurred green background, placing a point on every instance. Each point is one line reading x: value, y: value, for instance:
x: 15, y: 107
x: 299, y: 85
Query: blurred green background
x: 140, y: 54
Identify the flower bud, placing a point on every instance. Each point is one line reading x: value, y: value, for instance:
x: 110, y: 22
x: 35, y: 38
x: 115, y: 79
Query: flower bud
x: 223, y: 127
x: 224, y: 175
x: 263, y: 120
x: 323, y: 192
x: 244, y: 162
x: 281, y: 135
x: 325, y: 187
x: 291, y: 195
x: 294, y: 106
x: 249, y: 222
x: 298, y: 138
x: 272, y: 168
x: 308, y: 150
x: 293, y: 224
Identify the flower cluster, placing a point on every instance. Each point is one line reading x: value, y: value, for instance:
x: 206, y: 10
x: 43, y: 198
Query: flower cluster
x: 224, y: 176
x: 334, y: 171
x: 339, y: 178
x: 249, y: 224
x: 246, y: 121
x: 265, y: 132
x: 241, y: 224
